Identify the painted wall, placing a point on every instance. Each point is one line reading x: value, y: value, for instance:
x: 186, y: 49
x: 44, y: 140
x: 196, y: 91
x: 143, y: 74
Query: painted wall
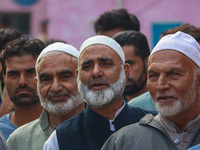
x: 72, y: 20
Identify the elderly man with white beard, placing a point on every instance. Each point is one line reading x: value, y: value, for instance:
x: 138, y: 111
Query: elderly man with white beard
x: 57, y: 88
x: 102, y: 76
x: 174, y: 84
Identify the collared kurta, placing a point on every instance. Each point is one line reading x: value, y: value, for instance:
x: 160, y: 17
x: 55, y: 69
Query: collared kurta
x: 31, y: 136
x: 148, y: 134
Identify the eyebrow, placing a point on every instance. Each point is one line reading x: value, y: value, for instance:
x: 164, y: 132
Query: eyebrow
x: 30, y: 69
x: 66, y: 72
x: 100, y: 59
x: 170, y: 70
x: 42, y: 75
x: 105, y: 59
x: 150, y: 71
x: 129, y: 61
x: 27, y: 70
x: 86, y: 62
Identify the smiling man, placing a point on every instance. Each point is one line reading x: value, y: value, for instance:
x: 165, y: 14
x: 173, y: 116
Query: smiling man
x: 18, y: 66
x: 102, y: 75
x: 174, y: 84
x: 57, y: 88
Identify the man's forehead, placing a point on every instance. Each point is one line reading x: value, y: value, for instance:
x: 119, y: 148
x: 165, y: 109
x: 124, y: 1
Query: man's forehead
x: 25, y: 61
x: 57, y: 72
x: 168, y: 54
x: 169, y: 58
x: 97, y: 52
x: 56, y: 64
x: 104, y: 40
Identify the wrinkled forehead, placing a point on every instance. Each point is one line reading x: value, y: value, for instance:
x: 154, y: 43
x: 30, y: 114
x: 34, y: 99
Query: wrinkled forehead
x: 98, y: 52
x: 103, y: 40
x: 170, y: 59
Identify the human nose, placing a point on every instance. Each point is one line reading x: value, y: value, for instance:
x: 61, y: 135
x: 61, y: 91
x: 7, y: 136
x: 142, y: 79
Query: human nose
x: 162, y: 83
x: 97, y: 72
x: 23, y: 79
x: 56, y: 86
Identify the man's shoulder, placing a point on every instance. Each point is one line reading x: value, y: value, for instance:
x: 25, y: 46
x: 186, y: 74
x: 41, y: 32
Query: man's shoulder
x: 26, y: 129
x: 72, y: 122
x: 141, y: 98
x: 137, y: 127
x: 6, y: 125
x: 139, y: 112
x: 143, y: 101
x: 4, y: 119
x: 23, y: 134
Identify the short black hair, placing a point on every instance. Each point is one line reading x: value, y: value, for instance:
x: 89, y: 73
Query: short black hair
x: 21, y: 46
x: 116, y: 18
x: 51, y: 41
x: 136, y: 39
x: 7, y: 35
x: 186, y: 28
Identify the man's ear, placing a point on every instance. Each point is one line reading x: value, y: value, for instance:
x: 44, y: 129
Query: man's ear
x: 127, y: 70
x: 4, y: 78
x: 36, y: 79
x: 76, y: 72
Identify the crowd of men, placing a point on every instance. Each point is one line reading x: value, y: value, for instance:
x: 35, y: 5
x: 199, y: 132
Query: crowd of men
x: 114, y: 93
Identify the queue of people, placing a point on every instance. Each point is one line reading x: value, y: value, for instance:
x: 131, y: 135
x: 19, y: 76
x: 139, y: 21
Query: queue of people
x: 114, y: 93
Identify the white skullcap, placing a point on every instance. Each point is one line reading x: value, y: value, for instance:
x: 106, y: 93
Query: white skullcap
x: 181, y: 42
x: 58, y: 46
x: 104, y: 40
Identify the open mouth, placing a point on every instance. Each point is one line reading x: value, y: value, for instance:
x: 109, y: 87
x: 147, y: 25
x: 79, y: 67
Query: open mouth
x: 98, y: 86
x: 165, y: 99
x: 58, y: 98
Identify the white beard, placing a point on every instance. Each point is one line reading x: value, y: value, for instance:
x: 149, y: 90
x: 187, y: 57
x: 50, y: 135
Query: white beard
x: 179, y: 105
x: 61, y: 108
x: 101, y: 98
x: 169, y: 110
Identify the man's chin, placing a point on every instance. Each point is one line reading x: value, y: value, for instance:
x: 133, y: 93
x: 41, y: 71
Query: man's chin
x: 102, y: 105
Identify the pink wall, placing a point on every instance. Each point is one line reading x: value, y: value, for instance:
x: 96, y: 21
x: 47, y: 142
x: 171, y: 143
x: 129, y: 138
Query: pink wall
x: 72, y: 20
x: 164, y: 11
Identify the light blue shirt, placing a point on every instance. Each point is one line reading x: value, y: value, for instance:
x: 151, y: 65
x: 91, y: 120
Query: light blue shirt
x: 6, y: 127
x: 197, y: 147
x: 143, y: 101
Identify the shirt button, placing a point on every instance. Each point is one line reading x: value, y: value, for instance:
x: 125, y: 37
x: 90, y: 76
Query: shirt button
x: 176, y: 141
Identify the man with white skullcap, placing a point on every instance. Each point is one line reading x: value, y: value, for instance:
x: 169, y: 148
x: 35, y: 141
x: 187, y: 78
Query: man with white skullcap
x: 102, y: 76
x: 174, y: 84
x: 58, y: 91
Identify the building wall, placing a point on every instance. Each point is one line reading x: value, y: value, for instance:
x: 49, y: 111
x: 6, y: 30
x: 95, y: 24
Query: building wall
x: 72, y: 20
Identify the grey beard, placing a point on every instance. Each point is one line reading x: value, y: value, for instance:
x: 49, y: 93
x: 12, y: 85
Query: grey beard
x: 62, y: 108
x: 101, y: 98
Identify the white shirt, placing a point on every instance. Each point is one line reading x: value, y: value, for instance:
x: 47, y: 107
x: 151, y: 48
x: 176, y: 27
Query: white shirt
x: 52, y: 142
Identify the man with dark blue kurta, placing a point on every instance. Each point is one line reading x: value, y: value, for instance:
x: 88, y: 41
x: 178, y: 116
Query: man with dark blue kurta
x: 102, y: 74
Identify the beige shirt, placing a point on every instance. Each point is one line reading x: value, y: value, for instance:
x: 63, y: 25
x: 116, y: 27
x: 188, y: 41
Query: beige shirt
x: 180, y: 139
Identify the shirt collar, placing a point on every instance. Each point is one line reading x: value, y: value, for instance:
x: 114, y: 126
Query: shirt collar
x: 122, y: 118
